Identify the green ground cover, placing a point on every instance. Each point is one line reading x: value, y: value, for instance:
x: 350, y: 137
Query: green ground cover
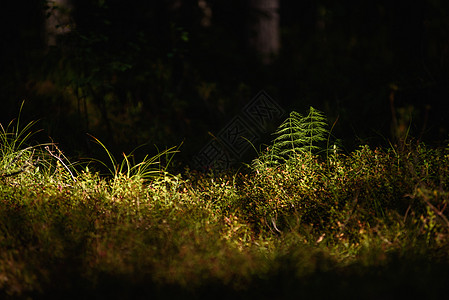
x: 370, y: 224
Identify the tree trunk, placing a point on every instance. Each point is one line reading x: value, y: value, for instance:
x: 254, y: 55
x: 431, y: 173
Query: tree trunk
x: 264, y: 32
x: 58, y: 20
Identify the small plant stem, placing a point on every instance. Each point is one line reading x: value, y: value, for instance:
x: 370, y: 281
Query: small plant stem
x: 60, y: 160
x: 439, y: 213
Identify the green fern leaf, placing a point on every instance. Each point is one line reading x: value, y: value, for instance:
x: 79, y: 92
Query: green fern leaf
x: 299, y: 134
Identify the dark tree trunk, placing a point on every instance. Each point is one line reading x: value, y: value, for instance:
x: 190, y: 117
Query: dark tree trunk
x: 58, y: 20
x: 264, y: 30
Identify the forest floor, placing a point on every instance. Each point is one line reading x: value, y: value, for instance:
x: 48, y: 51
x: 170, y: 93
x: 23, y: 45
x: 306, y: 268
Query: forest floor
x: 370, y: 224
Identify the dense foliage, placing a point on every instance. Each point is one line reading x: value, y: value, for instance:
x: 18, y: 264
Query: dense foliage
x: 372, y: 223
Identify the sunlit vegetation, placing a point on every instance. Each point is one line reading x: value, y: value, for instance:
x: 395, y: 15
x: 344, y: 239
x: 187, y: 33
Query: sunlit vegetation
x: 368, y: 224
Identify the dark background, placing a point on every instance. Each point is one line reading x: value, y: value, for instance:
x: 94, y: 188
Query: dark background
x: 135, y: 72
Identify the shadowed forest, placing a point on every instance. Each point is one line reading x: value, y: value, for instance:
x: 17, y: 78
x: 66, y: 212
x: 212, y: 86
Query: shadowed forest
x: 163, y: 72
x: 224, y: 149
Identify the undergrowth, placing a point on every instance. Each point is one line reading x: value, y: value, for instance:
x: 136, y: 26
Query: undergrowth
x: 368, y: 224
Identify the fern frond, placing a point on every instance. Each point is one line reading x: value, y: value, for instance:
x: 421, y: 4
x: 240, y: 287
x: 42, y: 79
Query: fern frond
x: 299, y: 134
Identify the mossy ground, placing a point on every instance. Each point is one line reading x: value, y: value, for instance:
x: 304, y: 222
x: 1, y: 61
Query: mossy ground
x: 370, y: 224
